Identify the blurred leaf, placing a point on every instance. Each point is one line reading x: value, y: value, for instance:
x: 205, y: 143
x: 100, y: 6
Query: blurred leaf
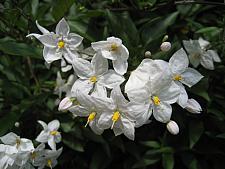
x: 73, y: 143
x: 145, y: 162
x: 152, y: 144
x: 157, y: 28
x: 60, y: 8
x: 168, y: 161
x: 19, y: 49
x: 196, y: 129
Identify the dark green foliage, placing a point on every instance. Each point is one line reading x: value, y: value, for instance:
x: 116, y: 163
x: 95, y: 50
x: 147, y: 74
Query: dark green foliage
x: 26, y: 85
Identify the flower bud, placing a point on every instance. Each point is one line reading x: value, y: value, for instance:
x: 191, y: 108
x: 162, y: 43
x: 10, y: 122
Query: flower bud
x: 165, y: 46
x: 17, y: 124
x: 165, y: 38
x: 148, y: 54
x: 65, y: 104
x: 172, y: 127
x: 193, y: 106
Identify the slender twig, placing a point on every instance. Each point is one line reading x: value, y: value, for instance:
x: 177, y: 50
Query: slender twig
x: 198, y: 2
x: 32, y: 72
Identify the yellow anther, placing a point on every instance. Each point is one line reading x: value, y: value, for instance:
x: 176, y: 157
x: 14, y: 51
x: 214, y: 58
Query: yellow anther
x: 61, y: 44
x: 49, y: 163
x: 54, y: 132
x: 93, y: 79
x: 115, y: 118
x: 114, y: 47
x: 91, y: 117
x: 18, y: 142
x: 156, y: 100
x: 177, y: 77
x: 33, y: 155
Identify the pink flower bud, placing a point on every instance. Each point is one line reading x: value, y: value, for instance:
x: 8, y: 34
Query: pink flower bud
x: 165, y: 46
x: 65, y: 104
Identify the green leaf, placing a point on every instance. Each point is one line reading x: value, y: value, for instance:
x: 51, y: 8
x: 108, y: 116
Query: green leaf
x: 60, y: 8
x: 145, y: 162
x: 168, y: 161
x: 196, y: 129
x: 19, y: 49
x: 152, y: 144
x: 157, y: 28
x: 73, y: 143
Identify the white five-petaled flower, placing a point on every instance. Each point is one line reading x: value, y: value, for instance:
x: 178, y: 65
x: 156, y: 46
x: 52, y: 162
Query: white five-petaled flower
x: 50, y: 133
x: 182, y: 74
x: 199, y: 54
x: 116, y: 114
x: 114, y: 50
x: 152, y: 88
x: 94, y: 75
x: 48, y: 158
x: 60, y: 45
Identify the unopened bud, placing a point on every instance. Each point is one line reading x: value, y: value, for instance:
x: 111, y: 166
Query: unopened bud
x: 165, y: 46
x: 148, y: 54
x: 17, y: 124
x: 165, y: 38
x: 65, y: 104
x: 172, y: 127
x: 193, y: 106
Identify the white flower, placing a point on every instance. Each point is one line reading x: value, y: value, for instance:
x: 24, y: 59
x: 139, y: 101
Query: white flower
x: 172, y: 127
x: 60, y: 45
x: 152, y: 87
x: 50, y: 133
x: 165, y: 46
x: 116, y: 114
x: 62, y: 86
x: 94, y: 74
x: 48, y: 159
x: 198, y: 53
x: 90, y: 110
x: 114, y: 50
x: 182, y: 74
x: 7, y: 156
x: 193, y: 106
x: 21, y: 144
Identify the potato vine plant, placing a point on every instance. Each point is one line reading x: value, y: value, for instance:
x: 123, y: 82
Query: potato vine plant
x: 93, y: 91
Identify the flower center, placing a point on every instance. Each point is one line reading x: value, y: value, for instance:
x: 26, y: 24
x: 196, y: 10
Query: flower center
x: 61, y: 44
x: 18, y: 142
x: 33, y: 155
x: 177, y: 77
x: 114, y: 47
x: 156, y: 100
x: 115, y: 118
x: 49, y: 163
x: 75, y: 101
x: 93, y: 79
x: 91, y: 117
x: 54, y: 132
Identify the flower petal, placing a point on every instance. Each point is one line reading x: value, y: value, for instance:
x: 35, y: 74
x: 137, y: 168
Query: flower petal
x: 190, y: 77
x: 162, y: 112
x: 51, y: 55
x: 74, y: 40
x: 53, y: 125
x: 99, y: 64
x: 214, y: 55
x: 111, y: 79
x: 82, y: 85
x: 43, y: 124
x: 120, y: 66
x: 95, y: 128
x: 105, y: 120
x: 100, y: 45
x: 179, y: 62
x: 9, y: 139
x: 207, y: 61
x: 41, y: 28
x: 62, y: 28
x: 48, y: 40
x: 42, y: 137
x: 85, y: 100
x: 128, y: 128
x: 83, y: 68
x: 118, y: 97
x: 51, y: 143
x: 183, y: 97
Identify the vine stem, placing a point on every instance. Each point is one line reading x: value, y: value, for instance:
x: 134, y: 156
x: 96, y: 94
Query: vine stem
x: 184, y: 2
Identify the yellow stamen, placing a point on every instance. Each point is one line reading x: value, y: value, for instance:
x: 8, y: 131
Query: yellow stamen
x: 93, y: 79
x: 49, y: 163
x: 61, y: 44
x: 115, y: 118
x: 54, y: 132
x: 33, y: 155
x: 114, y: 47
x: 156, y: 100
x: 177, y: 77
x: 91, y: 117
x: 18, y: 142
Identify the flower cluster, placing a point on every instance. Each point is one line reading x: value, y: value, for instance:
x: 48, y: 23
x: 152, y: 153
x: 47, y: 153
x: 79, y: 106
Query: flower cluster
x: 19, y: 153
x: 93, y: 89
